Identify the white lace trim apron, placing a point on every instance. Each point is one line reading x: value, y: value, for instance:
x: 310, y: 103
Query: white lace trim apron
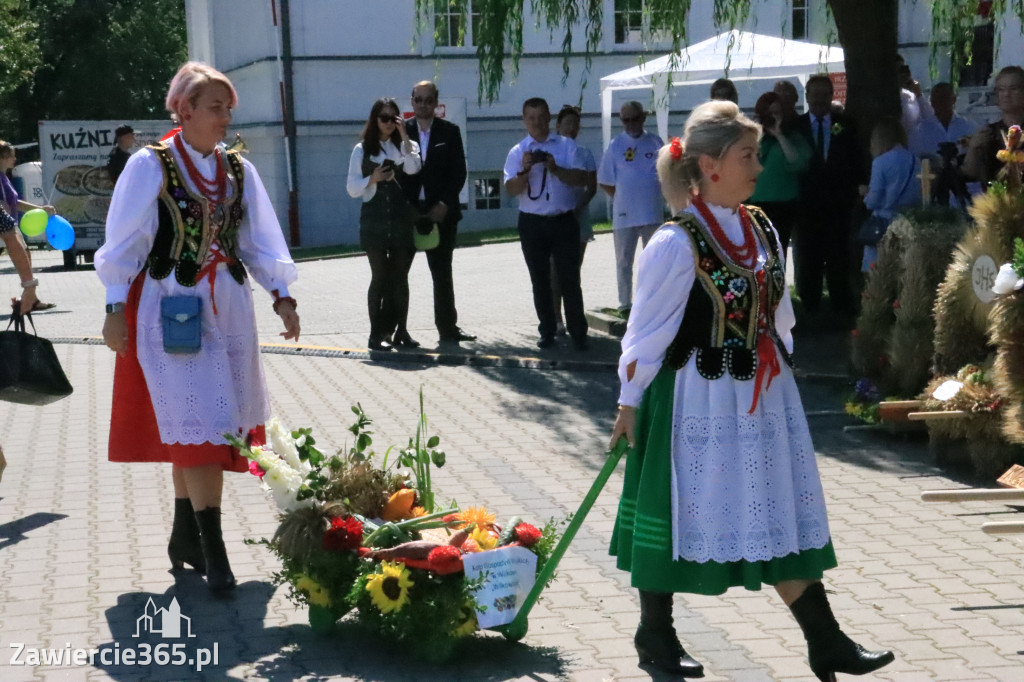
x: 744, y: 486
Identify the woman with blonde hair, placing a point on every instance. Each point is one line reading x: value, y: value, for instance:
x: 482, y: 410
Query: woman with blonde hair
x: 189, y: 222
x: 893, y: 184
x: 721, y: 487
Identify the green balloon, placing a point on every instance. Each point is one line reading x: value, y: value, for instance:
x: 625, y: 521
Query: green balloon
x: 34, y: 222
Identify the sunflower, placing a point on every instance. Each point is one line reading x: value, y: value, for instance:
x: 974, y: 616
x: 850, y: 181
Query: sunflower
x: 468, y: 624
x: 314, y: 591
x: 477, y: 515
x: 389, y: 589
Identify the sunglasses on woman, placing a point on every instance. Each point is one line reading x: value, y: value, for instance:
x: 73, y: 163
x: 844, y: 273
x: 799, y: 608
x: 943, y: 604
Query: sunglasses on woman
x: 387, y: 118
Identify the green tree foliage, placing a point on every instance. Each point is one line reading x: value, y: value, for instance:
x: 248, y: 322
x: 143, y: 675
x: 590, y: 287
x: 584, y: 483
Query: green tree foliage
x: 866, y: 30
x: 19, y: 49
x: 87, y: 59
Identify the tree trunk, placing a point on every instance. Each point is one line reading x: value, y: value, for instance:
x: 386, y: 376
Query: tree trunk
x: 868, y: 32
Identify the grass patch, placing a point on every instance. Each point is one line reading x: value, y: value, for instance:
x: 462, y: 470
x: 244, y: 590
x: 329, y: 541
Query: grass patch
x: 614, y: 312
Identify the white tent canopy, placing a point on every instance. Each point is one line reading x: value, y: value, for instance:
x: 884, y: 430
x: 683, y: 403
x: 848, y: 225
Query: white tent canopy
x: 746, y: 56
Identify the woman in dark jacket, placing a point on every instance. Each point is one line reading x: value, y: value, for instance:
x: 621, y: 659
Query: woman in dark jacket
x: 386, y: 220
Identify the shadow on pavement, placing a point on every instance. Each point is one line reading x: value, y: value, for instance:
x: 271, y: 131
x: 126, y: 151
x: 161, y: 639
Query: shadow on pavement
x: 226, y: 632
x: 15, y: 531
x: 352, y: 652
x: 230, y: 636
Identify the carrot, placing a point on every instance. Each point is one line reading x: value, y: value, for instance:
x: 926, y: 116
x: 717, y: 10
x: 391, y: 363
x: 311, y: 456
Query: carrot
x: 418, y: 549
x: 460, y: 536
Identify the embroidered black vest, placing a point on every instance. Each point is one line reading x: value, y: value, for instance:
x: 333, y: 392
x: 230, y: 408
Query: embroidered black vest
x: 185, y: 228
x: 720, y: 322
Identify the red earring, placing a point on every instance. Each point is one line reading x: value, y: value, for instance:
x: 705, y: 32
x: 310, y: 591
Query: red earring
x: 714, y: 177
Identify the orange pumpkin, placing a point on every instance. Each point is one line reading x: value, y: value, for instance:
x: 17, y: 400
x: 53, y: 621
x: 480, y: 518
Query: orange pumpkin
x: 399, y: 505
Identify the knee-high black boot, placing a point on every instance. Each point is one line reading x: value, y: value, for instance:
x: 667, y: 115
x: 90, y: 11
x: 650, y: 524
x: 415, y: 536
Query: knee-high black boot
x: 219, y: 577
x: 185, y: 546
x: 656, y: 641
x: 830, y: 651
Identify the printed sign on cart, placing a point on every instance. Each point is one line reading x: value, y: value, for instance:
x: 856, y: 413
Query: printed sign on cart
x: 510, y: 572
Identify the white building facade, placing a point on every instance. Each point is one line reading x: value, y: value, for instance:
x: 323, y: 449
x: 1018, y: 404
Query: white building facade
x: 335, y: 57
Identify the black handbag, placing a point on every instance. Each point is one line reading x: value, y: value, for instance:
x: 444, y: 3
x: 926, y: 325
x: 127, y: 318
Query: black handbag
x: 30, y: 372
x: 872, y: 230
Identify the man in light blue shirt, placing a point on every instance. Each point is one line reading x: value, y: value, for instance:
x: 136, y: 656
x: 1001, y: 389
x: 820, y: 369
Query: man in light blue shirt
x: 541, y: 171
x: 944, y: 126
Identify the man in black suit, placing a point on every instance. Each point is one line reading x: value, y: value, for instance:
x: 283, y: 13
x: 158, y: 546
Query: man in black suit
x: 435, y: 191
x: 828, y: 196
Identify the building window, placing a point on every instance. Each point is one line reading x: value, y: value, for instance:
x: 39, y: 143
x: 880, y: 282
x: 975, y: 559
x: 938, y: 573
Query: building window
x: 450, y: 26
x: 800, y: 19
x: 487, y: 193
x: 632, y: 17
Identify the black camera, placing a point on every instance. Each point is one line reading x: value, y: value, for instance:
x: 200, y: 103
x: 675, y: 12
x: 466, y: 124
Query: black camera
x: 538, y: 156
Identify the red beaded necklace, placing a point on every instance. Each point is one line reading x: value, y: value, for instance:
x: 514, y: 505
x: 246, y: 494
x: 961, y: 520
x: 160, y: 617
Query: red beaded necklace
x: 214, y: 190
x: 744, y: 254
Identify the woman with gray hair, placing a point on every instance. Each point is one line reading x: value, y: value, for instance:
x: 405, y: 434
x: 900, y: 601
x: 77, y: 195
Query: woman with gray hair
x: 189, y: 222
x: 721, y: 487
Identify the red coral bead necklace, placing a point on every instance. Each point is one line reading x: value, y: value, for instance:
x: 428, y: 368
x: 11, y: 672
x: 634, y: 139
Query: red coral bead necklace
x: 744, y: 254
x: 214, y: 190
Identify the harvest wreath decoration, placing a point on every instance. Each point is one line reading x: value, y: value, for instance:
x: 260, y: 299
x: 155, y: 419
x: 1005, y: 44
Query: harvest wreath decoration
x: 372, y: 540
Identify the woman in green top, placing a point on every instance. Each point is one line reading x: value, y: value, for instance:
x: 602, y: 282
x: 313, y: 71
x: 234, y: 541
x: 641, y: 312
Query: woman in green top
x: 784, y: 153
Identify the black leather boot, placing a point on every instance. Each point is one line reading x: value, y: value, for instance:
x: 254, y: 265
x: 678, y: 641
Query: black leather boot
x: 830, y: 651
x: 219, y: 577
x: 185, y: 546
x: 656, y: 641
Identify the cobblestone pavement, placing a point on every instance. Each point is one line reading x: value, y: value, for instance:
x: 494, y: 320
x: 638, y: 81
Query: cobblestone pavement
x: 83, y: 541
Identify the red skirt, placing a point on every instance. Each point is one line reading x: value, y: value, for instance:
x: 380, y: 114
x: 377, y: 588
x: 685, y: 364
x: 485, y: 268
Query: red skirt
x: 134, y: 434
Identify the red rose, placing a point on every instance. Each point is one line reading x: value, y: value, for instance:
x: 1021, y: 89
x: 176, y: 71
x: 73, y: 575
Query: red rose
x: 345, y: 533
x: 526, y: 534
x: 445, y: 559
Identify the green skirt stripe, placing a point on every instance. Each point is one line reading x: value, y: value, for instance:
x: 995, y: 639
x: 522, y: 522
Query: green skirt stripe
x: 642, y: 537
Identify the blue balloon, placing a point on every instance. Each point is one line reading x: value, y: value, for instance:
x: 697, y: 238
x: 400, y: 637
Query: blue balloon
x: 59, y: 233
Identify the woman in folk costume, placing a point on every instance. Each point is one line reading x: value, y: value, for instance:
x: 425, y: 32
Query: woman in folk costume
x: 721, y: 487
x: 189, y: 219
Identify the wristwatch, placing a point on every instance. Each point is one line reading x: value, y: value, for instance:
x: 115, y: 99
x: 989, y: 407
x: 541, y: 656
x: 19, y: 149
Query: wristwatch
x: 115, y: 308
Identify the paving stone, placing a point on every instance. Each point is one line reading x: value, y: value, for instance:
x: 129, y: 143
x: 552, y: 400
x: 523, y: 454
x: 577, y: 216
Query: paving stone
x: 920, y: 578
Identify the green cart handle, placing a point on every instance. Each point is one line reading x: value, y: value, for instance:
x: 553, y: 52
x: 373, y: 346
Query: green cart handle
x: 516, y: 629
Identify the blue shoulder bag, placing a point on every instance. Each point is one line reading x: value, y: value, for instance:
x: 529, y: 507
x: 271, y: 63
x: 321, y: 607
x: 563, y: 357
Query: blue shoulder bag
x: 183, y: 323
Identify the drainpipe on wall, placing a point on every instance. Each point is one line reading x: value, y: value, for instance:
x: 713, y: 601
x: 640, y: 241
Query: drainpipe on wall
x: 284, y: 60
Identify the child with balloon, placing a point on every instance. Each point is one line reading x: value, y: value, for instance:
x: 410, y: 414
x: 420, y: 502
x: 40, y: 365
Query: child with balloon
x: 12, y: 203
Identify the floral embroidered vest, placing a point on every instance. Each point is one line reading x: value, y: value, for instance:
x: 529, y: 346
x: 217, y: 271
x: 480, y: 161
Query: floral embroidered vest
x: 728, y: 307
x: 186, y: 228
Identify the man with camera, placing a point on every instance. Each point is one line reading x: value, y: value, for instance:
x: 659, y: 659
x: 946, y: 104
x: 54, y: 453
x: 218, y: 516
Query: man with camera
x: 627, y: 174
x: 540, y: 171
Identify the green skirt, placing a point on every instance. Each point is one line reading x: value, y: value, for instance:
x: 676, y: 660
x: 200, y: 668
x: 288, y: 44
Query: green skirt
x: 642, y: 537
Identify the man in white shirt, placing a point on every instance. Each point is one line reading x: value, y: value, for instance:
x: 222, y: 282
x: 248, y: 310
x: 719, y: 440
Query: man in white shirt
x: 541, y: 171
x: 944, y: 126
x: 628, y: 175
